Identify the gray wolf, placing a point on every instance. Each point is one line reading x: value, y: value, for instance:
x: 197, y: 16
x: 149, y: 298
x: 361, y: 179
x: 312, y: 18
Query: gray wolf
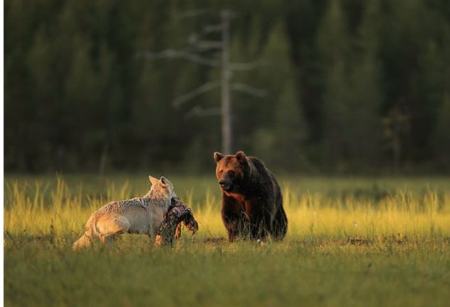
x: 141, y: 215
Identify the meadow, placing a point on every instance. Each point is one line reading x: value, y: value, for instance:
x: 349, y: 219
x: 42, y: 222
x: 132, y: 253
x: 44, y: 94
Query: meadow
x: 352, y: 241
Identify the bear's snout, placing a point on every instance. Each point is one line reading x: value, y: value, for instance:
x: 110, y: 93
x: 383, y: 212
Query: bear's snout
x: 225, y: 184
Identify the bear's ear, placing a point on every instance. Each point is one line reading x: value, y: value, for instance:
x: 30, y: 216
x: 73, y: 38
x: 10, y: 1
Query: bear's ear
x: 153, y: 180
x: 218, y: 156
x: 240, y: 155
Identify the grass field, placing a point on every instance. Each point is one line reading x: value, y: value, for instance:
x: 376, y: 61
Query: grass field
x: 351, y: 242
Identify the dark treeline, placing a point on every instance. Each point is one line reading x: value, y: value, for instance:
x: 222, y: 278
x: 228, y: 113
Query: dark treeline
x: 350, y: 85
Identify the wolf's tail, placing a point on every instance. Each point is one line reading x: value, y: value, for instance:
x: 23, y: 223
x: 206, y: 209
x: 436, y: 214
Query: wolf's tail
x: 86, y: 238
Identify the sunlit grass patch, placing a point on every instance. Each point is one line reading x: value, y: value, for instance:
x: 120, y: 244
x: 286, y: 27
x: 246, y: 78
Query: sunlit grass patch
x: 34, y: 208
x: 350, y: 242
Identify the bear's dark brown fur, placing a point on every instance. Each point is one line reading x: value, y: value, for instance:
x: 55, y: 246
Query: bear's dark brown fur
x: 252, y: 205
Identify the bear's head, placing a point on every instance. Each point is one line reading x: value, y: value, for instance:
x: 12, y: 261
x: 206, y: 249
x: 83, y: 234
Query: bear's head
x: 231, y: 170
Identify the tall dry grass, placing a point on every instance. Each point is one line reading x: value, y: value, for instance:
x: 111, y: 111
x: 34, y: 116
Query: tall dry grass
x: 36, y: 208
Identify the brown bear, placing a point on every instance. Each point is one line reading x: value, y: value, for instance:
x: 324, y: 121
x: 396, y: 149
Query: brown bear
x: 252, y: 205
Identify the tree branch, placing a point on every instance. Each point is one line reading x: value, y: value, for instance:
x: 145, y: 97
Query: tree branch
x: 193, y: 13
x: 245, y: 66
x: 199, y: 111
x: 212, y: 28
x: 207, y: 45
x: 196, y: 92
x: 179, y: 54
x: 244, y: 88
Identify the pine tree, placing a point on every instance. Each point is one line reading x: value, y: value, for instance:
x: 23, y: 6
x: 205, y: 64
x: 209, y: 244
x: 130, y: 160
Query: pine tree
x: 333, y: 44
x: 366, y: 98
x: 82, y: 96
x: 280, y: 127
x: 289, y: 131
x: 441, y: 134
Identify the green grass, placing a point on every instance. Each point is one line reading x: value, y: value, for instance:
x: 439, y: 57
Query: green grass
x: 351, y: 242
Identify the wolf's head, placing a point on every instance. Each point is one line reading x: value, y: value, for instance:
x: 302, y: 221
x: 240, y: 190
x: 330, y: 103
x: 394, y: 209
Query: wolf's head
x: 161, y: 188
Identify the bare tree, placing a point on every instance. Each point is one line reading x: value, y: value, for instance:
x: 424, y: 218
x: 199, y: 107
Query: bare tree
x: 227, y: 136
x: 192, y: 54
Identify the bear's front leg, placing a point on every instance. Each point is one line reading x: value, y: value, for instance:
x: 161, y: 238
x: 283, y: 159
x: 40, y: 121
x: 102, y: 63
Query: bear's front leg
x: 233, y: 217
x: 259, y: 224
x: 231, y: 224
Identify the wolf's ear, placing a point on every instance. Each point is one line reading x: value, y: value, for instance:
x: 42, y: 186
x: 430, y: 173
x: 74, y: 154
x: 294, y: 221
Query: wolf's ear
x: 153, y: 180
x: 218, y: 156
x: 164, y: 180
x: 240, y: 155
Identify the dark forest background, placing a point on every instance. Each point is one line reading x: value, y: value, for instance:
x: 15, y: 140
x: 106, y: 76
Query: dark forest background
x: 351, y: 85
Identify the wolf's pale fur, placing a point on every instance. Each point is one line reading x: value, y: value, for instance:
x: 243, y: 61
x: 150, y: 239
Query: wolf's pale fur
x: 137, y: 215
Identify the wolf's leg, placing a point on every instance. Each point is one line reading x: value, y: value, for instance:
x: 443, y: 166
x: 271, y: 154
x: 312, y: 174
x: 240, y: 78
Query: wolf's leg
x: 83, y: 242
x: 108, y: 239
x: 111, y: 226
